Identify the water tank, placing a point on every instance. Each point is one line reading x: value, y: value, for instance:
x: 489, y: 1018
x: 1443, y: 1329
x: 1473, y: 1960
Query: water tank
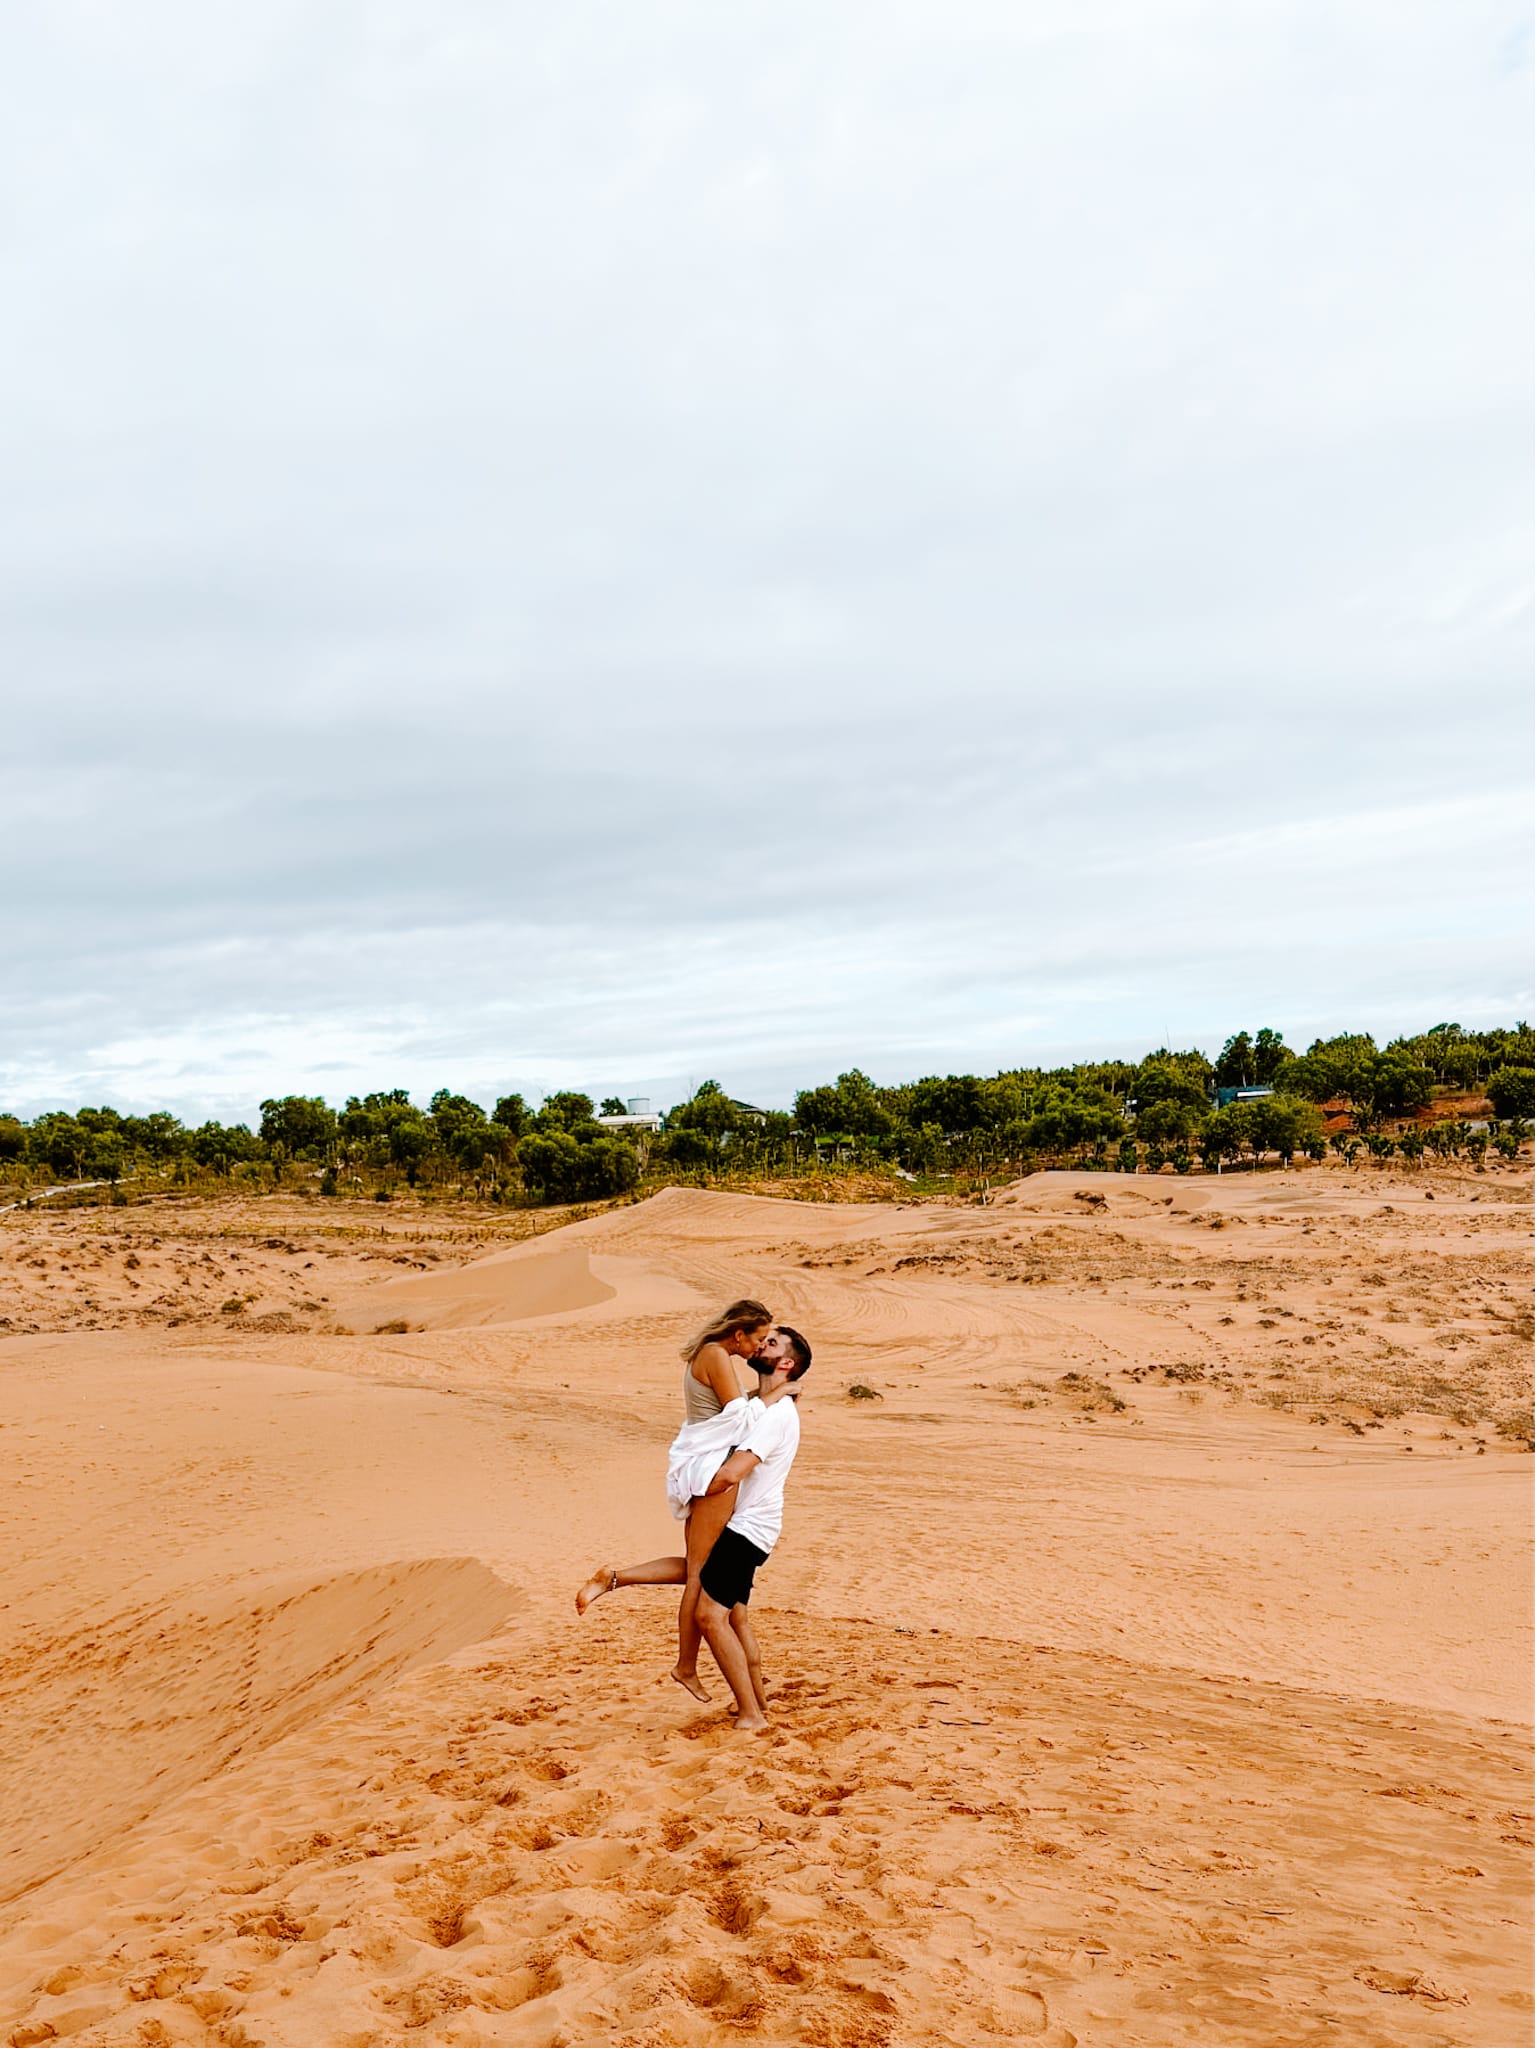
x: 639, y: 1105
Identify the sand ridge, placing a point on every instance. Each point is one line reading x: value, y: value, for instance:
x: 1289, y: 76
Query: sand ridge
x: 162, y: 1697
x: 528, y: 1284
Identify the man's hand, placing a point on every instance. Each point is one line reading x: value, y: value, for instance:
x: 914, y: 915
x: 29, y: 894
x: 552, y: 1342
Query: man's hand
x: 733, y: 1471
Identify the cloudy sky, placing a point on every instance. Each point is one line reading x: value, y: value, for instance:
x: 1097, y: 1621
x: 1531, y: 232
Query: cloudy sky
x: 603, y: 545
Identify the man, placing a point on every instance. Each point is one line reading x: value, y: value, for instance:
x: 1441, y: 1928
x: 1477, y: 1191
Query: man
x: 760, y: 1468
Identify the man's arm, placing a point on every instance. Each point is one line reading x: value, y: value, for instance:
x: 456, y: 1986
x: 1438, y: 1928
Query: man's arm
x: 733, y: 1471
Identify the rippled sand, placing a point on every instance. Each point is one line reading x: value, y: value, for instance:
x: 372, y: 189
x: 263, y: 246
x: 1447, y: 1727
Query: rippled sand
x: 1150, y: 1637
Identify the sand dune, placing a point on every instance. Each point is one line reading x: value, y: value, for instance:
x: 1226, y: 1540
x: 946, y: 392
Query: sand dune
x: 108, y: 1723
x: 1152, y: 1629
x: 942, y: 1845
x: 529, y: 1284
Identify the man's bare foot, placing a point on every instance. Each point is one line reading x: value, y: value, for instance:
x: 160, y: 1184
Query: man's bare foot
x: 752, y: 1724
x: 690, y: 1682
x: 598, y: 1584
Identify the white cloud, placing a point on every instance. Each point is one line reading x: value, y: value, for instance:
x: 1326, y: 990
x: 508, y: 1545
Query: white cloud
x: 1008, y: 524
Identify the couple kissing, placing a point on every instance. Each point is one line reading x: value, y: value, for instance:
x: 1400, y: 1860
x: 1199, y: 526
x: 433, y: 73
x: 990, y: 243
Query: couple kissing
x: 725, y: 1478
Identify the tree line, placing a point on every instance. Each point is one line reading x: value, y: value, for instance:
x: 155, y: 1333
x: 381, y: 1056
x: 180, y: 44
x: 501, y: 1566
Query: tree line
x: 1128, y: 1115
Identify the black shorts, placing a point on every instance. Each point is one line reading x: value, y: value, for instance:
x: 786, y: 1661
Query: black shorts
x: 730, y: 1568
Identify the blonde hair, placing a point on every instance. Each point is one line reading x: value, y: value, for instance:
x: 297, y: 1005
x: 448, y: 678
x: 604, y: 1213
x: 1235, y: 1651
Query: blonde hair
x: 730, y: 1322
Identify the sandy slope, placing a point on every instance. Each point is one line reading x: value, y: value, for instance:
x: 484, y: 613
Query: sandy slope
x: 943, y: 1843
x: 1153, y: 1644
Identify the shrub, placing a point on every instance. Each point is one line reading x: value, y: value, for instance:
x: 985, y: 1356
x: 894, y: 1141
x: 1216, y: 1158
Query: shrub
x: 1512, y: 1090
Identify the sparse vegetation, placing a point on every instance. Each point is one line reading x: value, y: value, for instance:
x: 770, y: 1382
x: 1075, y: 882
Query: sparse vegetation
x: 1090, y: 1394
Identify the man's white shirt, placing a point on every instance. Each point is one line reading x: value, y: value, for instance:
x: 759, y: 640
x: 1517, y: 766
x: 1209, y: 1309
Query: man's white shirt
x: 774, y: 1438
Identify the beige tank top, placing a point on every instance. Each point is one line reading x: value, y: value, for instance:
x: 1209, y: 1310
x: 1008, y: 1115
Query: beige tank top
x: 699, y: 1402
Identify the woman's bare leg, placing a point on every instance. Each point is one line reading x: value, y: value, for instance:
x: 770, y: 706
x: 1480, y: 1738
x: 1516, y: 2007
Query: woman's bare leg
x: 706, y: 1518
x: 659, y: 1571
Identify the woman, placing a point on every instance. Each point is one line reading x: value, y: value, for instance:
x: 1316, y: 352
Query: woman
x: 715, y: 1418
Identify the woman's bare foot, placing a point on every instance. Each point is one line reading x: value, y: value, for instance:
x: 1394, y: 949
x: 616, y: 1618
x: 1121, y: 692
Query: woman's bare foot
x: 598, y: 1584
x: 752, y: 1724
x: 690, y: 1682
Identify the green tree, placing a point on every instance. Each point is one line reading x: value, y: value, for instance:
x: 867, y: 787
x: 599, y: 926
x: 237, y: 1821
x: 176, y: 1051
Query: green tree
x: 1173, y: 1077
x: 686, y: 1148
x: 1396, y: 1087
x: 366, y: 1118
x: 59, y: 1142
x: 1065, y: 1122
x: 461, y: 1127
x: 1235, y: 1067
x: 304, y: 1125
x: 956, y: 1103
x: 925, y: 1150
x: 1463, y: 1065
x: 1270, y: 1056
x: 159, y: 1135
x: 106, y: 1157
x: 550, y: 1162
x: 511, y: 1113
x: 1226, y: 1133
x: 863, y: 1113
x: 410, y: 1141
x: 612, y: 1106
x: 816, y: 1110
x: 609, y: 1167
x: 565, y: 1111
x: 387, y: 1129
x: 1331, y: 1068
x: 1114, y: 1077
x: 1282, y: 1126
x: 854, y: 1107
x: 1514, y: 1048
x: 217, y: 1146
x: 708, y: 1113
x: 1168, y: 1122
x: 559, y: 1167
x: 1512, y: 1091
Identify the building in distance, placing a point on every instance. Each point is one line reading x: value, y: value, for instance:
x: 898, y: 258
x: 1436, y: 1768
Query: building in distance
x: 638, y: 1116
